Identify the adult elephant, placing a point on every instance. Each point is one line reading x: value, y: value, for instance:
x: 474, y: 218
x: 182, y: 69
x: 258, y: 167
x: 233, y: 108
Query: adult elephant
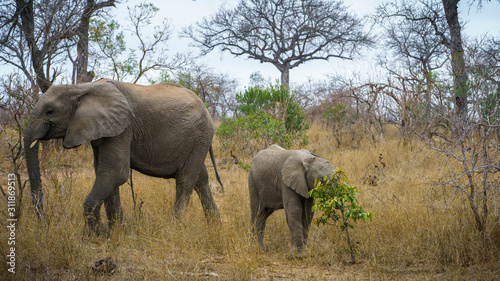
x: 162, y: 130
x: 282, y: 179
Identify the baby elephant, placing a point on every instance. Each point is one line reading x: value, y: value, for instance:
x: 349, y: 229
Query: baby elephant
x: 282, y: 179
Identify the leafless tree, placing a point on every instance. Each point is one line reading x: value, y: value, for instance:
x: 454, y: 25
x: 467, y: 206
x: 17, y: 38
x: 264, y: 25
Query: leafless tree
x: 451, y: 37
x: 38, y: 31
x: 472, y: 157
x: 414, y: 32
x: 285, y: 33
x: 82, y: 31
x: 470, y: 154
x: 17, y: 96
x: 487, y: 63
x: 457, y: 56
x: 217, y: 90
x: 45, y: 31
x: 458, y: 63
x: 350, y: 107
x: 110, y: 58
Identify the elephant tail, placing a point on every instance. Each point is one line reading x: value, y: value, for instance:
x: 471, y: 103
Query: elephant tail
x: 211, y: 150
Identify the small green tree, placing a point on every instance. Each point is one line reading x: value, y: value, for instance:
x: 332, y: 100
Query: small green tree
x: 253, y: 132
x: 275, y: 100
x: 110, y: 43
x: 269, y: 116
x: 336, y: 199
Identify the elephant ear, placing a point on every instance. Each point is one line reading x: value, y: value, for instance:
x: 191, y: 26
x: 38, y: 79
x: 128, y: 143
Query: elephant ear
x: 101, y: 111
x: 293, y: 172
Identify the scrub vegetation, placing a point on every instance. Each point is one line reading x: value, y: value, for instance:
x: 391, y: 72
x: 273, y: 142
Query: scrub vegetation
x: 417, y: 231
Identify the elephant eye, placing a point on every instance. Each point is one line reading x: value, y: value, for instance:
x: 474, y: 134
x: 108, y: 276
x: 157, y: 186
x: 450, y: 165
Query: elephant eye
x: 49, y: 112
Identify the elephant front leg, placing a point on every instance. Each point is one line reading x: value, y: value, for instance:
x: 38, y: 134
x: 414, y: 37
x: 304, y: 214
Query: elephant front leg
x: 297, y: 236
x: 113, y: 207
x: 91, y: 212
x: 108, y: 193
x: 294, y: 217
x: 307, y: 218
x: 112, y: 167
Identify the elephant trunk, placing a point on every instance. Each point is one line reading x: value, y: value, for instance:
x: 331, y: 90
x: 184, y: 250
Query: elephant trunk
x: 33, y: 165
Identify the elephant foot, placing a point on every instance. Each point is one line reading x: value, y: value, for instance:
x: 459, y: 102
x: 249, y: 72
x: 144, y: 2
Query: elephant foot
x: 299, y: 255
x: 213, y: 217
x: 96, y: 229
x: 295, y: 257
x: 262, y: 249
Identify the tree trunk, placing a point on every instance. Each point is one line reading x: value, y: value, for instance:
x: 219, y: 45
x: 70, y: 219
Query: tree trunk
x: 25, y: 9
x: 83, y: 46
x: 457, y: 57
x: 82, y: 75
x: 428, y: 93
x: 285, y: 77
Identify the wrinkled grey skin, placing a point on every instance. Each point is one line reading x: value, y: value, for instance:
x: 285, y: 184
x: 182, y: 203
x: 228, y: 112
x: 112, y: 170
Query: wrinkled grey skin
x: 282, y: 179
x: 162, y: 130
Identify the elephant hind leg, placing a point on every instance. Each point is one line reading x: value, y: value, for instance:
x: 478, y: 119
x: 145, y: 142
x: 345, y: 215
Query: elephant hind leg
x: 207, y: 201
x: 185, y: 181
x: 259, y: 219
x: 182, y: 194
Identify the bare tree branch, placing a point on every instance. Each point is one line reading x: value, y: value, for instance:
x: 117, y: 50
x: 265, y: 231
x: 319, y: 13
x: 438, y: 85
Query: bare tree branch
x: 283, y: 33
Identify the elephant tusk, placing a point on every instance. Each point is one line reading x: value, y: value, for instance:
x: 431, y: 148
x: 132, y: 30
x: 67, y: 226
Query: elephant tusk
x: 33, y: 143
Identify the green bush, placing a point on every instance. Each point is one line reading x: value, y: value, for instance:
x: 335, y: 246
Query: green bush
x: 275, y: 100
x: 336, y: 199
x: 268, y: 116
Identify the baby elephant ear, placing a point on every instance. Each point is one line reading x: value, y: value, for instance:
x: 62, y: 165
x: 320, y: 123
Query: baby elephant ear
x: 101, y: 111
x: 293, y: 173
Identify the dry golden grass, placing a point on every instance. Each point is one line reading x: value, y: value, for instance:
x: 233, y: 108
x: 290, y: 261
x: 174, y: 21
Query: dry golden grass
x: 414, y: 234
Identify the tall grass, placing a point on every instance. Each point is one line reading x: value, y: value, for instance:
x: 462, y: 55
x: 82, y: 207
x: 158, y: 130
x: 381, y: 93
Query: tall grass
x: 417, y: 232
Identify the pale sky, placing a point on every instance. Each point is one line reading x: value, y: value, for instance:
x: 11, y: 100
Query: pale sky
x: 186, y: 12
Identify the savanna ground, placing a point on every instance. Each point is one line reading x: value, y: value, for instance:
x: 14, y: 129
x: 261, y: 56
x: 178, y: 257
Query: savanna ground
x: 417, y: 232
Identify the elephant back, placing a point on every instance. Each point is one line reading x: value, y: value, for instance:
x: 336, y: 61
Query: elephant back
x: 266, y: 168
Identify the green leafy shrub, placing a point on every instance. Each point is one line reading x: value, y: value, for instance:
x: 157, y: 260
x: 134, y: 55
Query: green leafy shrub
x: 269, y: 116
x: 275, y: 100
x: 253, y: 132
x: 336, y: 199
